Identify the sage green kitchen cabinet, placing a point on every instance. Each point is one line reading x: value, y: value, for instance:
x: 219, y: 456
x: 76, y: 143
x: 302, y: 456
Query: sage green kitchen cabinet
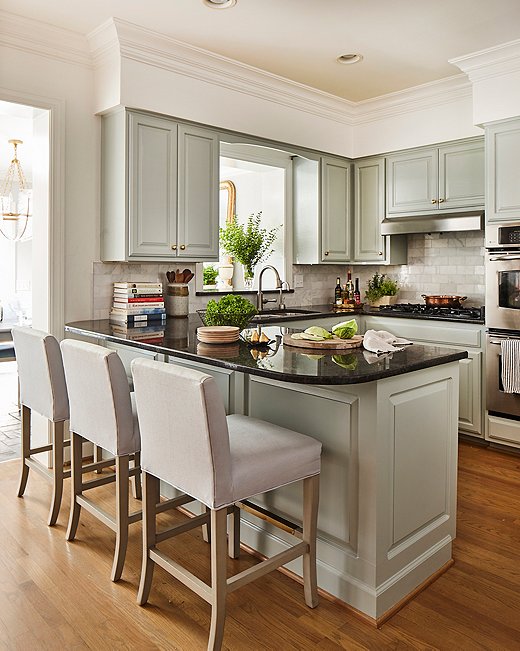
x: 369, y: 211
x: 322, y: 209
x: 160, y: 185
x: 502, y: 164
x: 444, y: 178
x: 466, y: 336
x: 336, y: 197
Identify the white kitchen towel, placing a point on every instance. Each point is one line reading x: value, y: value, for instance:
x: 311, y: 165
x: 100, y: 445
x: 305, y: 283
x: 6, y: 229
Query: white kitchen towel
x: 510, y: 349
x: 381, y: 341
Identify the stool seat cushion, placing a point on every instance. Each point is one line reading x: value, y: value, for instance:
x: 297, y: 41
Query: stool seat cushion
x: 265, y: 456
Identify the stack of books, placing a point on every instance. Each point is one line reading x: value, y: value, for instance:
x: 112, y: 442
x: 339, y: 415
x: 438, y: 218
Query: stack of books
x: 139, y: 304
x: 149, y: 334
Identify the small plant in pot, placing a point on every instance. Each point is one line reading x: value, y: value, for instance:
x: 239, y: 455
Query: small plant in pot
x: 381, y: 290
x: 209, y: 277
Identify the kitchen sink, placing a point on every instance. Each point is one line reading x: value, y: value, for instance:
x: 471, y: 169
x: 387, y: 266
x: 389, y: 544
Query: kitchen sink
x: 281, y: 314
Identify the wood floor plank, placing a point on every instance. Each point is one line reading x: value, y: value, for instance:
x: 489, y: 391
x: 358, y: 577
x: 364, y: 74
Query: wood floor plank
x: 56, y: 595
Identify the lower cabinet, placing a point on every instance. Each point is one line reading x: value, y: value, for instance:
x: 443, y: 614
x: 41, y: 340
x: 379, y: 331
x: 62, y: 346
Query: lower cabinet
x: 466, y: 336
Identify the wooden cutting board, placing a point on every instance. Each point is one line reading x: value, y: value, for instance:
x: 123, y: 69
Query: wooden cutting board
x: 328, y: 344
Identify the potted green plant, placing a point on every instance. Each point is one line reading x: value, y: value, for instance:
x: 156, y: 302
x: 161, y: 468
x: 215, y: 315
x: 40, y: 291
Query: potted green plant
x: 381, y: 290
x: 209, y: 277
x: 248, y: 243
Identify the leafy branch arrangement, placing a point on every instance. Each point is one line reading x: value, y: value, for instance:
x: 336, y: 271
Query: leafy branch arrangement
x: 249, y: 244
x: 379, y: 285
x: 209, y: 275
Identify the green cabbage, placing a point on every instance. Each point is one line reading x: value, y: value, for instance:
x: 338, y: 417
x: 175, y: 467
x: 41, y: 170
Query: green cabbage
x: 318, y: 332
x: 345, y: 329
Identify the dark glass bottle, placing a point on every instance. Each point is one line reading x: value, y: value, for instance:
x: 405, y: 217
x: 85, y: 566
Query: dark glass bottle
x: 357, y: 295
x: 338, y: 298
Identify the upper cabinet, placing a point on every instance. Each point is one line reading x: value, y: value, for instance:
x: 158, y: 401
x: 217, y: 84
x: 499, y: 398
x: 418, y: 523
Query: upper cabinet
x: 502, y: 163
x: 336, y: 197
x: 446, y: 178
x: 160, y: 184
x: 369, y: 211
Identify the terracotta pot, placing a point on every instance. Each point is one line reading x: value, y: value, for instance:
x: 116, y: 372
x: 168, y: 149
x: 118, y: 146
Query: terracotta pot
x: 444, y: 300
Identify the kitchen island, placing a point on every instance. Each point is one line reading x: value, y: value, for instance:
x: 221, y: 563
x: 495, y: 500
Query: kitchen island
x: 389, y: 431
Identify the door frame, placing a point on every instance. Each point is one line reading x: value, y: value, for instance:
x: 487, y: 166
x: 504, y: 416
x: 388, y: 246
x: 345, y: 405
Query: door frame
x: 54, y: 321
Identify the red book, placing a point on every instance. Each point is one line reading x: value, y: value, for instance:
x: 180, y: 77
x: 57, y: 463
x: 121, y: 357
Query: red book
x: 138, y: 299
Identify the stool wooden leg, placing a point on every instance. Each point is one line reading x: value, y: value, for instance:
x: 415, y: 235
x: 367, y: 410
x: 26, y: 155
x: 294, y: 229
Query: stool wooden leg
x: 136, y: 479
x: 150, y: 501
x: 234, y: 534
x: 57, y: 471
x: 76, y: 453
x: 311, y: 494
x: 218, y: 577
x: 206, y: 528
x: 122, y: 474
x: 98, y: 456
x: 26, y: 448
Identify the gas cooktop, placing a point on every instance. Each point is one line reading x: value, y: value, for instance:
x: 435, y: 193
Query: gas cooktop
x: 435, y: 312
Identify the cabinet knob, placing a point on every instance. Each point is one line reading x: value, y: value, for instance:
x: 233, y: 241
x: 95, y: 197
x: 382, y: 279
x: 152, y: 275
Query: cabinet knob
x: 441, y: 200
x: 326, y: 253
x: 174, y: 247
x: 183, y: 246
x: 380, y: 253
x: 434, y: 200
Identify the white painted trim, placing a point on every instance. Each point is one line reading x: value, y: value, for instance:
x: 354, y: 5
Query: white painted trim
x: 44, y: 39
x: 491, y: 62
x: 56, y: 265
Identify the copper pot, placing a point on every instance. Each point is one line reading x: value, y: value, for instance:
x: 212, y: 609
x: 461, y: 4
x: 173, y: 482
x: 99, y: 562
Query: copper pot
x: 444, y: 300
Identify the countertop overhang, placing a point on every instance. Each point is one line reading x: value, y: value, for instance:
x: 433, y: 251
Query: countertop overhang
x: 283, y: 363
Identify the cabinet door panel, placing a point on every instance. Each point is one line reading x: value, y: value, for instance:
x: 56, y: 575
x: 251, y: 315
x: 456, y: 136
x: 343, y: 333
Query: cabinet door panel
x: 335, y: 215
x: 412, y: 184
x: 502, y: 160
x: 152, y: 175
x: 369, y: 192
x: 461, y: 176
x: 198, y: 193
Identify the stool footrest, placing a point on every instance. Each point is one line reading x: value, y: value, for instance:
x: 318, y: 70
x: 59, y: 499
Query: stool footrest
x: 181, y: 528
x: 39, y: 467
x: 176, y: 570
x: 240, y: 579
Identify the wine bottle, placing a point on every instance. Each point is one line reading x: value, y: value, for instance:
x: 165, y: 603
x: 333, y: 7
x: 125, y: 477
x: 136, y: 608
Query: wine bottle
x: 338, y: 298
x: 357, y: 295
x: 350, y: 287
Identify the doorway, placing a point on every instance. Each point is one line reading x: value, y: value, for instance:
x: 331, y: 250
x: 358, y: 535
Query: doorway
x: 24, y: 253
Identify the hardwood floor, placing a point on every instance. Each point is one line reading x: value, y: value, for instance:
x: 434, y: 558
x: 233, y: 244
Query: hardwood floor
x: 56, y: 595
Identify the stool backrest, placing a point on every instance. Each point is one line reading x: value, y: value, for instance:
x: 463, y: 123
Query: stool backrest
x: 184, y: 434
x: 100, y: 403
x: 40, y: 370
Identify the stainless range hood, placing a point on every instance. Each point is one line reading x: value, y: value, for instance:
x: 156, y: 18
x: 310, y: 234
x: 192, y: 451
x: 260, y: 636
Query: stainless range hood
x: 456, y: 221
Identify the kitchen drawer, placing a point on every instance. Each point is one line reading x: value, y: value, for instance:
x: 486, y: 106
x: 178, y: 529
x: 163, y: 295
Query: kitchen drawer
x: 459, y: 334
x: 503, y: 430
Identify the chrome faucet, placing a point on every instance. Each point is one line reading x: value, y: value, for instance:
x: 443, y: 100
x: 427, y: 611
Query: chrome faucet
x: 260, y: 300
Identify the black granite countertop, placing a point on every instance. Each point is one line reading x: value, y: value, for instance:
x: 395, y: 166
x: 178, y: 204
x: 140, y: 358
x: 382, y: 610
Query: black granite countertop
x: 285, y: 363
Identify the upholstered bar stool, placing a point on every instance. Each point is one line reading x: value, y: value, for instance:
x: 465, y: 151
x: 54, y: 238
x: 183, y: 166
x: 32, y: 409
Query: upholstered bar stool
x: 188, y: 442
x: 43, y: 390
x: 102, y: 412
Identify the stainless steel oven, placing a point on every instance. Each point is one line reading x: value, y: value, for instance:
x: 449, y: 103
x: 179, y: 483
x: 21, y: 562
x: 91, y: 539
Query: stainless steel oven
x: 503, y: 289
x: 499, y: 403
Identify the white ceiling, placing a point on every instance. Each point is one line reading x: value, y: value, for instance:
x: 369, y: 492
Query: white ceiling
x: 404, y: 43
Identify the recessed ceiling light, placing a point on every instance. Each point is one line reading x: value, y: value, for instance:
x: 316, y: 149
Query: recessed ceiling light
x: 348, y: 59
x: 220, y: 4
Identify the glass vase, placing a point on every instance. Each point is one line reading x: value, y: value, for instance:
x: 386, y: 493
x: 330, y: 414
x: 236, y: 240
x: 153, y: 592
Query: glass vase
x: 248, y: 278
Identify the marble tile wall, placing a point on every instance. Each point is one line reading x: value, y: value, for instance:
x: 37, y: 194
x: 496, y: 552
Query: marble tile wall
x: 440, y: 263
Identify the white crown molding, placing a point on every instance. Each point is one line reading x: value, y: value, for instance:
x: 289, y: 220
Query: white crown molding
x: 491, y: 62
x: 151, y: 48
x: 43, y: 39
x: 425, y: 96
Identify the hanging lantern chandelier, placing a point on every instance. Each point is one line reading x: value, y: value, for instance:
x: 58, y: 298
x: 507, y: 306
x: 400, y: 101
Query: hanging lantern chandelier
x: 15, y: 199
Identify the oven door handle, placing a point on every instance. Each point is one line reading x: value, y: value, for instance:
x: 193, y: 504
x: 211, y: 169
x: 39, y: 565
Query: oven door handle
x: 512, y: 256
x: 497, y: 343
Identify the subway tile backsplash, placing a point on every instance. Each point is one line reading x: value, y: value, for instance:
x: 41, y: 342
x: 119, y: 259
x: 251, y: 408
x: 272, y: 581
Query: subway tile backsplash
x: 440, y: 263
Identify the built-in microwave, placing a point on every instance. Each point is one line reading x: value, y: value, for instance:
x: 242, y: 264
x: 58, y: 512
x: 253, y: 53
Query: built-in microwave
x: 505, y: 235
